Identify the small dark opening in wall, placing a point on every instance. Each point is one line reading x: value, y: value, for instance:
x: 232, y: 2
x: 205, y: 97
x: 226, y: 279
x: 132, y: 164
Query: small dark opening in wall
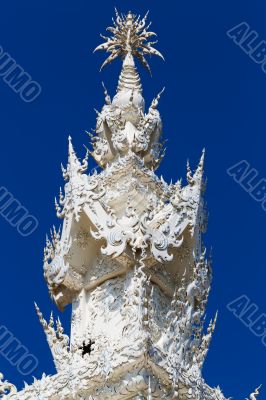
x: 87, y: 348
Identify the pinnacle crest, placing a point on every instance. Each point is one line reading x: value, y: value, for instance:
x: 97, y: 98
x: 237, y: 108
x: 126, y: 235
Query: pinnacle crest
x: 129, y: 36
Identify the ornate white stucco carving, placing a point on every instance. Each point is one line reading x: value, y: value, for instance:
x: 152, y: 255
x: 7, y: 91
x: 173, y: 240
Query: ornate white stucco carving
x: 129, y: 258
x: 255, y: 394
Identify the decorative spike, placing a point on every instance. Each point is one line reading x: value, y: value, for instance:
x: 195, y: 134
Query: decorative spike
x: 91, y: 136
x: 64, y: 172
x: 107, y: 97
x: 40, y: 315
x: 198, y: 175
x: 59, y: 211
x: 215, y: 321
x: 84, y: 164
x: 189, y: 174
x: 57, y: 340
x: 51, y: 321
x: 155, y: 101
x: 59, y: 328
x: 61, y: 198
x: 71, y: 152
x: 54, y: 233
x: 202, y: 159
x: 74, y: 166
x: 57, y: 208
x: 162, y: 180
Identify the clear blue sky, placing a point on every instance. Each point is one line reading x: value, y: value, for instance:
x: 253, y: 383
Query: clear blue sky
x: 214, y: 98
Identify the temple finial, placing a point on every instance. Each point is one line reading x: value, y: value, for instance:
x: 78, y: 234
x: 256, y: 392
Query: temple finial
x: 130, y: 35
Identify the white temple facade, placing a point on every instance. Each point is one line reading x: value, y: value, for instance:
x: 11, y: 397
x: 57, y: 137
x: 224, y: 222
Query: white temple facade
x: 129, y: 257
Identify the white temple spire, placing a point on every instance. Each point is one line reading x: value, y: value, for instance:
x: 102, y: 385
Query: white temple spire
x: 129, y: 259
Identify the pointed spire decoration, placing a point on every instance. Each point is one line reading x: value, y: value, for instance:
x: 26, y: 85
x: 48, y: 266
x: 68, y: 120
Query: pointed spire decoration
x: 197, y: 176
x: 200, y: 168
x: 74, y: 166
x: 199, y: 173
x: 129, y: 39
x: 130, y: 36
x: 71, y: 152
x: 206, y: 341
x: 40, y: 315
x: 57, y: 340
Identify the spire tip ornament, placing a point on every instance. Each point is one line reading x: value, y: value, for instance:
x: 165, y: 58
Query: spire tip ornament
x: 129, y: 37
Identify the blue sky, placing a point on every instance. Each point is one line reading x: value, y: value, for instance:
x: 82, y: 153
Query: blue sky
x: 214, y: 98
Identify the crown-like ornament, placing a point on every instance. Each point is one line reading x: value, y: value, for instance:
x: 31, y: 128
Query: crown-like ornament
x: 130, y: 35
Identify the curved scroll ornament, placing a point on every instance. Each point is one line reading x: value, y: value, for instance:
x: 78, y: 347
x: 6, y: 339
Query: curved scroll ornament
x: 158, y: 232
x: 117, y: 233
x: 56, y: 271
x: 6, y: 387
x: 55, y: 267
x: 79, y: 190
x: 164, y: 234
